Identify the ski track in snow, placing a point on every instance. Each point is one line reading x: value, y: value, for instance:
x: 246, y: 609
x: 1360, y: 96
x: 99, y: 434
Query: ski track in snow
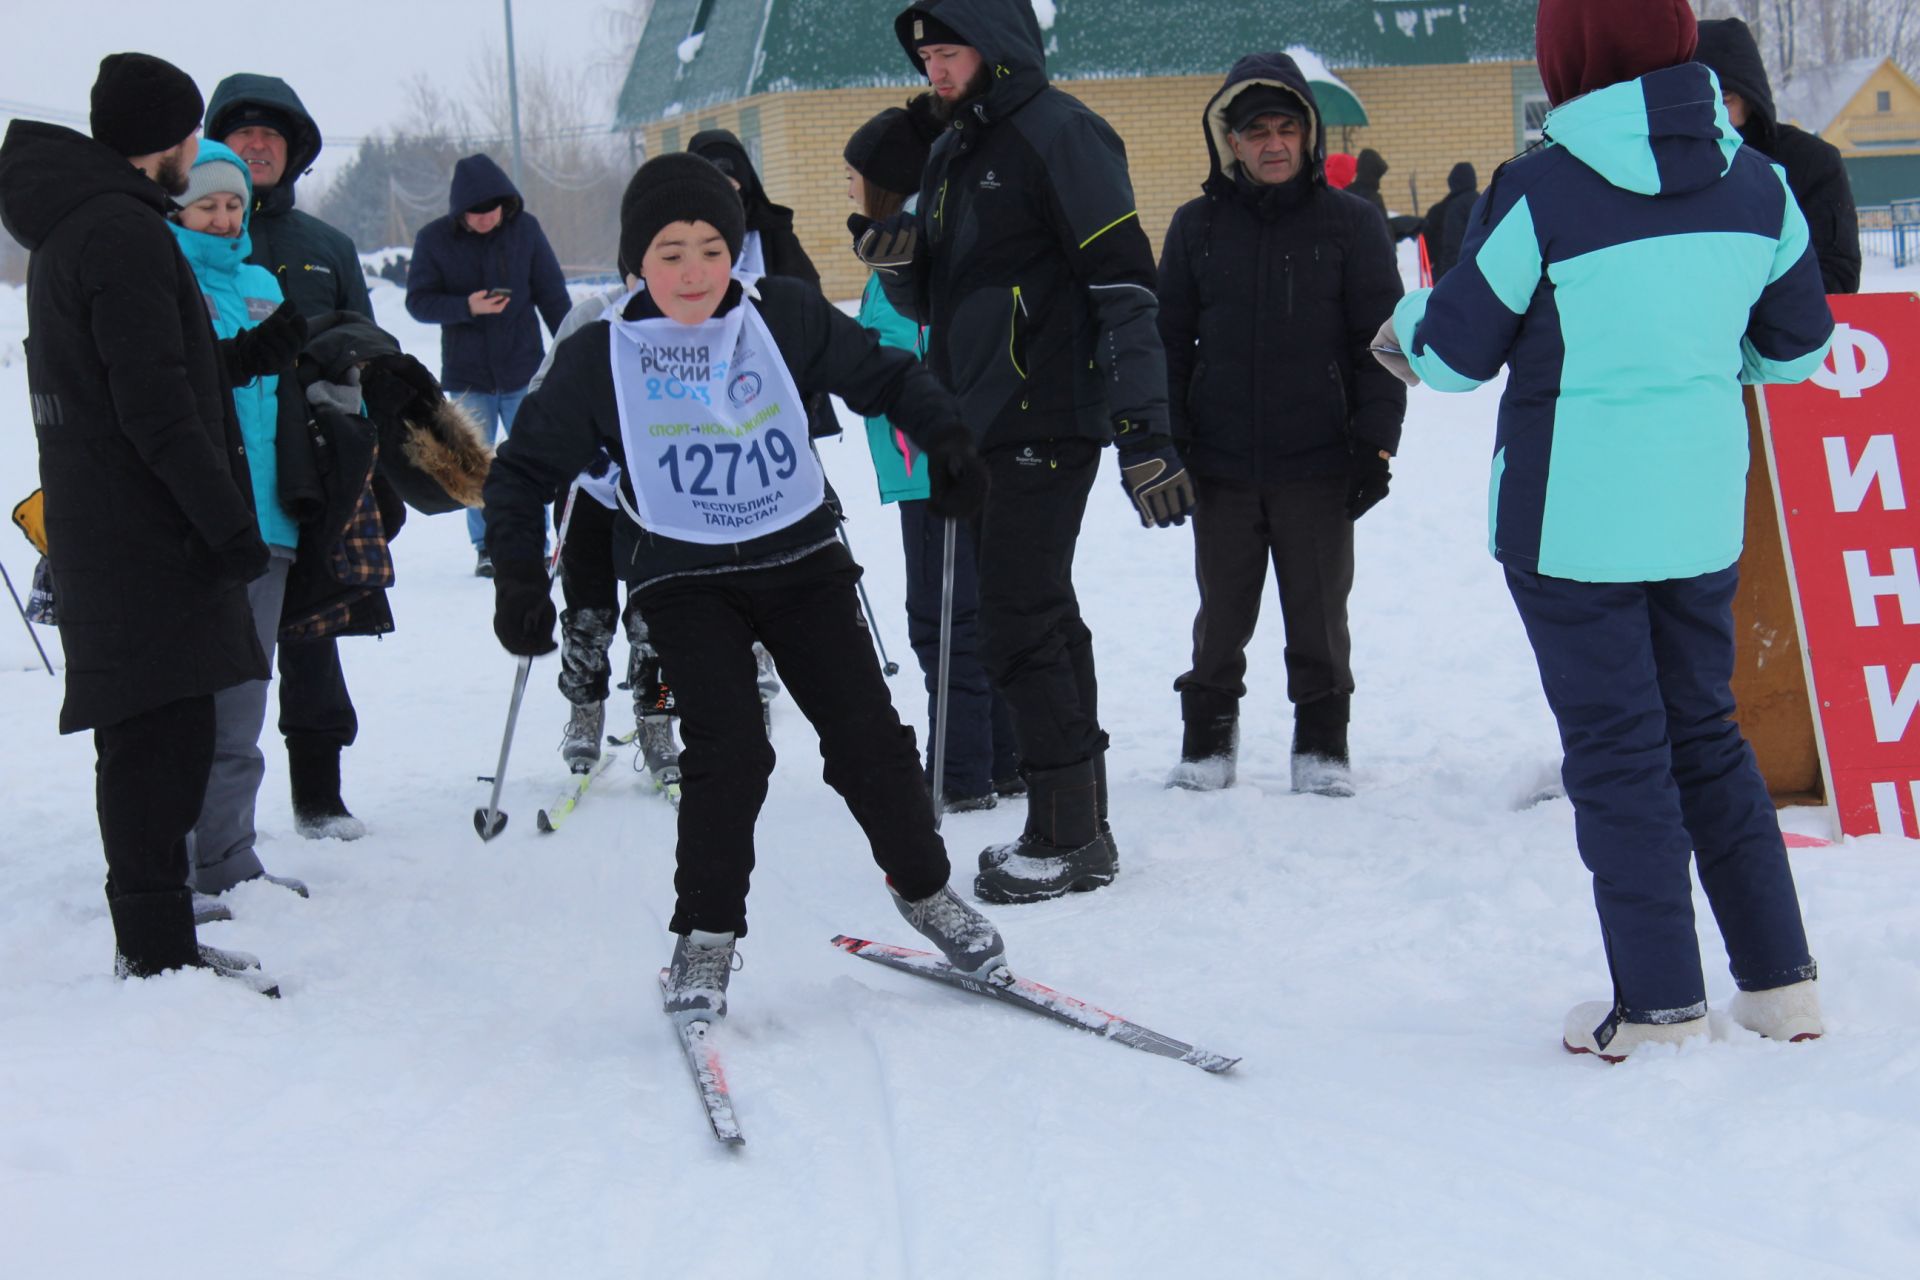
x: 470, y: 1075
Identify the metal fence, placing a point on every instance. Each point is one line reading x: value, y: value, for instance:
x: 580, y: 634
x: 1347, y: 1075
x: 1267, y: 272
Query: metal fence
x: 1891, y: 231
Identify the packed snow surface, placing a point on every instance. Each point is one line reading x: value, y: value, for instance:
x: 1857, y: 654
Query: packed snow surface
x: 470, y: 1076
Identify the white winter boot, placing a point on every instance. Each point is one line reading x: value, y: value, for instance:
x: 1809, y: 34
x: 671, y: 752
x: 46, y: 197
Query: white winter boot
x: 1787, y: 1013
x: 1585, y: 1022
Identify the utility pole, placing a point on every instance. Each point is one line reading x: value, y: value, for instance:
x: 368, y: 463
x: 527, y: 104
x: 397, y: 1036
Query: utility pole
x: 513, y: 96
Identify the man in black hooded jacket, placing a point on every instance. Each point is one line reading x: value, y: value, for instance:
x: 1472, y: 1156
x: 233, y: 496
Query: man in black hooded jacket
x: 1272, y: 285
x: 1815, y: 173
x: 1027, y: 259
x: 1445, y: 225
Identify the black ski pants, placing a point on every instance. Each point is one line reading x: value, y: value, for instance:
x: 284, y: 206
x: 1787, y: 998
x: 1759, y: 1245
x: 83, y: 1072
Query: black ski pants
x: 150, y: 779
x: 807, y: 614
x: 1036, y: 647
x: 1303, y: 528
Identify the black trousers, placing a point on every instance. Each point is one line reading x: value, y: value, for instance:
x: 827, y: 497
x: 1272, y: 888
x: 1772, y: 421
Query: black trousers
x: 587, y: 578
x: 1302, y: 526
x: 1036, y: 647
x: 807, y: 614
x: 979, y: 727
x: 314, y: 702
x: 150, y: 779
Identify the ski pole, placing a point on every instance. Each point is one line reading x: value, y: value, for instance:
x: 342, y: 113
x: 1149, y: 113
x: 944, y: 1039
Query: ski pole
x: 490, y: 821
x: 946, y: 663
x: 887, y: 664
x: 25, y: 621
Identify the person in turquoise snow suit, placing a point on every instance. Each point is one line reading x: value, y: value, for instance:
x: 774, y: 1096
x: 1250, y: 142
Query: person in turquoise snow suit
x: 1631, y: 273
x: 884, y: 160
x: 211, y: 228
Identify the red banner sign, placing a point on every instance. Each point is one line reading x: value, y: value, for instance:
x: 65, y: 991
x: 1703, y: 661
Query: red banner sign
x: 1843, y: 447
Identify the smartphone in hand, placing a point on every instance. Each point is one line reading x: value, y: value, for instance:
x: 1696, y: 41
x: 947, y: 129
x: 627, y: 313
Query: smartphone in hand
x: 499, y: 293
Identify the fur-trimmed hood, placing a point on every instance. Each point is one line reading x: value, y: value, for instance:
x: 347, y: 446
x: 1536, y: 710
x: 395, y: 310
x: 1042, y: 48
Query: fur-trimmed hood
x: 447, y: 447
x: 1276, y: 71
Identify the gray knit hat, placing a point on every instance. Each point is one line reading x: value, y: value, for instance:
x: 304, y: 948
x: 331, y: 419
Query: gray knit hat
x: 212, y: 176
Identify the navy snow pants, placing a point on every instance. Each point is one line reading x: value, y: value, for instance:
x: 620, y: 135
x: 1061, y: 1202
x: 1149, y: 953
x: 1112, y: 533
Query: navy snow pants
x: 1638, y: 676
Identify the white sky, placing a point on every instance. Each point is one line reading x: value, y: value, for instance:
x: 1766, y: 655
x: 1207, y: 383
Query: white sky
x: 349, y: 60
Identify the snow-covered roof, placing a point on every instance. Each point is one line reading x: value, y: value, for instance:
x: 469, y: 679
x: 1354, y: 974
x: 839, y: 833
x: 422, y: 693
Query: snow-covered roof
x: 1815, y: 96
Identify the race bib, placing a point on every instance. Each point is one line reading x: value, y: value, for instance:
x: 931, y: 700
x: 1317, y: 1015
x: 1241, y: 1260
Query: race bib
x: 753, y: 259
x: 714, y: 428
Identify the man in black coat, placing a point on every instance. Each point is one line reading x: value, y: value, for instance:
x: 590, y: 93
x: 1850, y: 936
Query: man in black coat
x: 1445, y: 225
x: 1272, y: 285
x: 1369, y: 168
x: 1027, y: 260
x: 318, y: 267
x: 149, y: 513
x: 1815, y: 173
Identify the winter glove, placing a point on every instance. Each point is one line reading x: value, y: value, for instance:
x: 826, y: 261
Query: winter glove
x: 342, y: 396
x: 269, y: 346
x: 956, y: 476
x: 243, y: 557
x: 1156, y: 479
x: 1367, y: 477
x: 523, y: 612
x: 887, y: 246
x: 398, y: 385
x: 1386, y: 349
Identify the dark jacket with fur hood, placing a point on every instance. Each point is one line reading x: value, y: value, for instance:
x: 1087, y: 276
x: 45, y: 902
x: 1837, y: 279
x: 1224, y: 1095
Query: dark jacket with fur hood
x: 1269, y: 298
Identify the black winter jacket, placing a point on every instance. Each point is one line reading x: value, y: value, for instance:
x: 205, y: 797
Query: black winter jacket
x: 1369, y: 168
x: 1815, y: 173
x: 486, y: 353
x: 317, y: 265
x: 1032, y: 268
x: 780, y: 247
x: 140, y: 449
x: 1446, y: 222
x: 562, y: 427
x: 1269, y: 298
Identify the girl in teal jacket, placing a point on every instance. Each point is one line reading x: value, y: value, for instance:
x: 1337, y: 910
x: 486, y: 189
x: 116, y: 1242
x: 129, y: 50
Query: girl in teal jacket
x: 211, y: 228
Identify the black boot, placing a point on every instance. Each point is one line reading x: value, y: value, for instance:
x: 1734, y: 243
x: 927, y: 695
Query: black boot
x: 1100, y: 802
x: 1320, y: 763
x: 1209, y: 741
x: 1062, y: 849
x: 313, y: 766
x: 153, y: 933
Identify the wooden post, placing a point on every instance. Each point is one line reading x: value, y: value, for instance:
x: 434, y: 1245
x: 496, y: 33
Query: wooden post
x: 1769, y: 676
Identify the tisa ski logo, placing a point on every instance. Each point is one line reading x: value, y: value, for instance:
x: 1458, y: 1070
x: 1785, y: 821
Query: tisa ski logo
x: 744, y: 389
x: 991, y: 182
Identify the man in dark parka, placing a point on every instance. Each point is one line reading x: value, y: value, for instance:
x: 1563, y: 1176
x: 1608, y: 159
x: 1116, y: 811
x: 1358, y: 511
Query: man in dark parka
x: 150, y: 525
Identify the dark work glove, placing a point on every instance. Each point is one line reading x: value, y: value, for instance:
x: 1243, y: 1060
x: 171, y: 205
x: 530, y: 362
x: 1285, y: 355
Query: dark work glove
x: 270, y: 346
x: 887, y: 246
x: 398, y: 385
x: 1367, y: 477
x: 523, y: 612
x: 243, y: 557
x: 956, y: 476
x: 1156, y: 479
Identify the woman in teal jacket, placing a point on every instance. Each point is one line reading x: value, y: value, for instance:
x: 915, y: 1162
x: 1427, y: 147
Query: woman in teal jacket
x: 211, y: 228
x: 885, y: 158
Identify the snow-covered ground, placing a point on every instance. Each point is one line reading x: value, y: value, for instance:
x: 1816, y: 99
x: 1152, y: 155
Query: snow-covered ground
x: 469, y: 1075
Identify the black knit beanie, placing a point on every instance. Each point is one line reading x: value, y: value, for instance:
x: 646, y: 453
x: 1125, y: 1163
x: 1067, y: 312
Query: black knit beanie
x: 890, y: 150
x: 924, y: 29
x: 678, y: 187
x: 143, y: 104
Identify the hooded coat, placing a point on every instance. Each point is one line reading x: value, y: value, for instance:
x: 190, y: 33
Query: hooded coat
x: 317, y: 265
x: 1033, y: 271
x: 1631, y: 274
x: 1369, y: 169
x: 780, y: 248
x: 141, y: 456
x: 491, y: 353
x: 1446, y: 222
x: 1269, y: 298
x: 1815, y: 173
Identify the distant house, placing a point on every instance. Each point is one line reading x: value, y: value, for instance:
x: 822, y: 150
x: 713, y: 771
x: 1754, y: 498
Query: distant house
x: 1870, y: 109
x: 1436, y: 83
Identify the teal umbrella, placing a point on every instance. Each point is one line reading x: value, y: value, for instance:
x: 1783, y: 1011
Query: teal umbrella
x: 1339, y: 105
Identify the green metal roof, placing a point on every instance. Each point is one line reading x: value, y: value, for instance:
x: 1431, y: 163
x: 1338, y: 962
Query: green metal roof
x: 759, y: 46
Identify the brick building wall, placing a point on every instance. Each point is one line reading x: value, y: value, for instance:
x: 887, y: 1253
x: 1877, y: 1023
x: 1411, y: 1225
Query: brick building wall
x: 1425, y: 120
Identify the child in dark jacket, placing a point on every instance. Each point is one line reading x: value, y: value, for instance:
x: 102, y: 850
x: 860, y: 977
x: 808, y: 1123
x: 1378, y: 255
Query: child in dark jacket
x: 696, y: 385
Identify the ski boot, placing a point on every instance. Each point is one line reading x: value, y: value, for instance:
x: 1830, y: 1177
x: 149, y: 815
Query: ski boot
x: 659, y: 756
x: 580, y: 741
x: 1065, y: 847
x: 965, y: 937
x: 697, y: 976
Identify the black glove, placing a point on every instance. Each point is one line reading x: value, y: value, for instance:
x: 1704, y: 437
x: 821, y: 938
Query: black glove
x: 398, y: 385
x: 956, y: 476
x: 1367, y: 477
x: 523, y: 612
x: 243, y: 557
x: 1156, y: 479
x: 887, y: 246
x: 270, y: 346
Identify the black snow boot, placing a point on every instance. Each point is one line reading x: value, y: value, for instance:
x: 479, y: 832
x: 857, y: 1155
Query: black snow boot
x: 1209, y: 741
x: 313, y: 766
x: 153, y: 933
x: 1320, y: 763
x: 1061, y: 851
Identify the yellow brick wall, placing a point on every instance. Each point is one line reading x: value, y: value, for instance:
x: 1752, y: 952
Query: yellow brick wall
x: 1425, y: 120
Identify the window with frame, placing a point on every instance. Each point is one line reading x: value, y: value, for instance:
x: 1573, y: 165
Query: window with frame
x: 1533, y: 118
x: 1883, y: 101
